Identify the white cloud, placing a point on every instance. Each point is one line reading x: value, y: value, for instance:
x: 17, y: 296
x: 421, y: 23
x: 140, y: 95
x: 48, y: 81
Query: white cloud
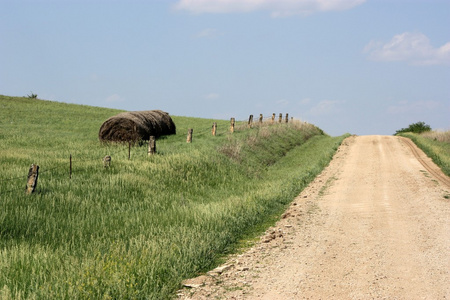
x: 414, y: 48
x: 207, y: 33
x: 115, y: 98
x: 282, y: 102
x: 277, y: 8
x: 406, y: 107
x: 212, y: 96
x: 325, y: 107
x: 305, y: 101
x: 93, y: 77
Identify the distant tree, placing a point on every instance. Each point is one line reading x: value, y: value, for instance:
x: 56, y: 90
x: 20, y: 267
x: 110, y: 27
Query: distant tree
x: 418, y: 127
x: 32, y: 96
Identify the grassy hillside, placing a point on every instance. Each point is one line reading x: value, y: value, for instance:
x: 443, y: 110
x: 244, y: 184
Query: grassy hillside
x: 136, y: 229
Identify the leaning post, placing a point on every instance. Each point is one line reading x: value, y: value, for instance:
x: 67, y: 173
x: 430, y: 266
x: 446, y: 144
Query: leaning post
x: 151, y: 145
x: 189, y: 136
x: 107, y: 161
x: 232, y: 121
x: 214, y: 129
x: 33, y: 175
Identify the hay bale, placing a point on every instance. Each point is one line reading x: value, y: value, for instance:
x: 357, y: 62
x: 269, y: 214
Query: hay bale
x: 136, y: 126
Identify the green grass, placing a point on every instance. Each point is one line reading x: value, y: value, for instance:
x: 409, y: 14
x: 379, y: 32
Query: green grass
x: 435, y: 146
x: 137, y: 229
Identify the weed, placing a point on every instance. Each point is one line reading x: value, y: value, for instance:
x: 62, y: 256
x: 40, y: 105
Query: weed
x: 327, y: 184
x: 32, y: 96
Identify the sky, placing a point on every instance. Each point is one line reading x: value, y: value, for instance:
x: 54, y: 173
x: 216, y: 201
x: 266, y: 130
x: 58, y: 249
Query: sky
x: 347, y: 66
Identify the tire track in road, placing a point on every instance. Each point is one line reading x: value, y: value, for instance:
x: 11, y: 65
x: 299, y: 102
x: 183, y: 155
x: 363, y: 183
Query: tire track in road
x: 426, y: 162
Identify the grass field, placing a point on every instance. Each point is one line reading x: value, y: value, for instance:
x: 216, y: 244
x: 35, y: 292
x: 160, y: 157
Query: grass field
x: 137, y: 229
x: 436, y: 144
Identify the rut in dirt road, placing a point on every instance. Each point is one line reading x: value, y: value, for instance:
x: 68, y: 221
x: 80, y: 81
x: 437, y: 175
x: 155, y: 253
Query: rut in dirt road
x: 374, y: 225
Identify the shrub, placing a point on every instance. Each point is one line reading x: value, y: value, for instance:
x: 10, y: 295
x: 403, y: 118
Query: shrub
x: 418, y: 127
x: 32, y: 96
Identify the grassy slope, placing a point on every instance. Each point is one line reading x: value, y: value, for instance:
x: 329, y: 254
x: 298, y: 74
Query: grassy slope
x: 137, y: 229
x: 438, y: 151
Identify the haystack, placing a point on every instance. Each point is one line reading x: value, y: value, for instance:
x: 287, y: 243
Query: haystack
x: 136, y: 125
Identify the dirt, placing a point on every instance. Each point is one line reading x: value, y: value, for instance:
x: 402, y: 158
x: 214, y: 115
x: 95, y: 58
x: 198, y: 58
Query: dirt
x: 374, y: 225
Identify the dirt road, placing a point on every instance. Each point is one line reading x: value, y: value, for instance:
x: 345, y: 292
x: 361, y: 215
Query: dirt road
x: 374, y: 225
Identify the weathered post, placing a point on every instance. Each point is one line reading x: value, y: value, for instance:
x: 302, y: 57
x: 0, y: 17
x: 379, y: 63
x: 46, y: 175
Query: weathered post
x: 232, y: 121
x: 151, y: 145
x: 70, y: 167
x: 107, y: 161
x: 287, y: 118
x: 250, y: 121
x: 33, y: 174
x: 189, y: 136
x: 260, y: 119
x: 280, y: 117
x: 214, y: 129
x: 129, y: 150
x: 273, y: 118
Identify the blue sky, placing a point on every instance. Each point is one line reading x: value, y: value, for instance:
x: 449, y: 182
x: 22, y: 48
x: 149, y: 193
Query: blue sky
x: 357, y: 66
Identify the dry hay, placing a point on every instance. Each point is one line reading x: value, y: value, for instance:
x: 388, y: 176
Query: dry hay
x: 136, y: 126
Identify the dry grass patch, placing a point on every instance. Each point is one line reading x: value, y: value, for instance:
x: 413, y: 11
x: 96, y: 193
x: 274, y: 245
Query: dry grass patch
x: 438, y: 135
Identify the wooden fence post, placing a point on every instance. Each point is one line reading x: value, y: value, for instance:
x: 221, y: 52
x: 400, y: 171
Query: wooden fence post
x: 151, y: 145
x: 287, y: 117
x: 280, y: 117
x: 214, y: 129
x: 232, y: 121
x: 189, y: 136
x: 129, y: 150
x: 250, y: 121
x: 70, y: 167
x: 260, y: 118
x: 33, y: 174
x: 273, y: 118
x: 107, y: 161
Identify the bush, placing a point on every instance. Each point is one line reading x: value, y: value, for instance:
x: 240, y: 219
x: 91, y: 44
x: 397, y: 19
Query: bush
x: 418, y: 127
x: 32, y: 96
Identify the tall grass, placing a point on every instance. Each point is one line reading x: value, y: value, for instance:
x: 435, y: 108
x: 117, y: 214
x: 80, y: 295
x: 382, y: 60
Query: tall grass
x: 437, y: 135
x: 436, y: 144
x: 136, y: 229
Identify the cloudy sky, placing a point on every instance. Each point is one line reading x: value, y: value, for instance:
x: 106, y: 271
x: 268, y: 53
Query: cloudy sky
x: 357, y: 66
